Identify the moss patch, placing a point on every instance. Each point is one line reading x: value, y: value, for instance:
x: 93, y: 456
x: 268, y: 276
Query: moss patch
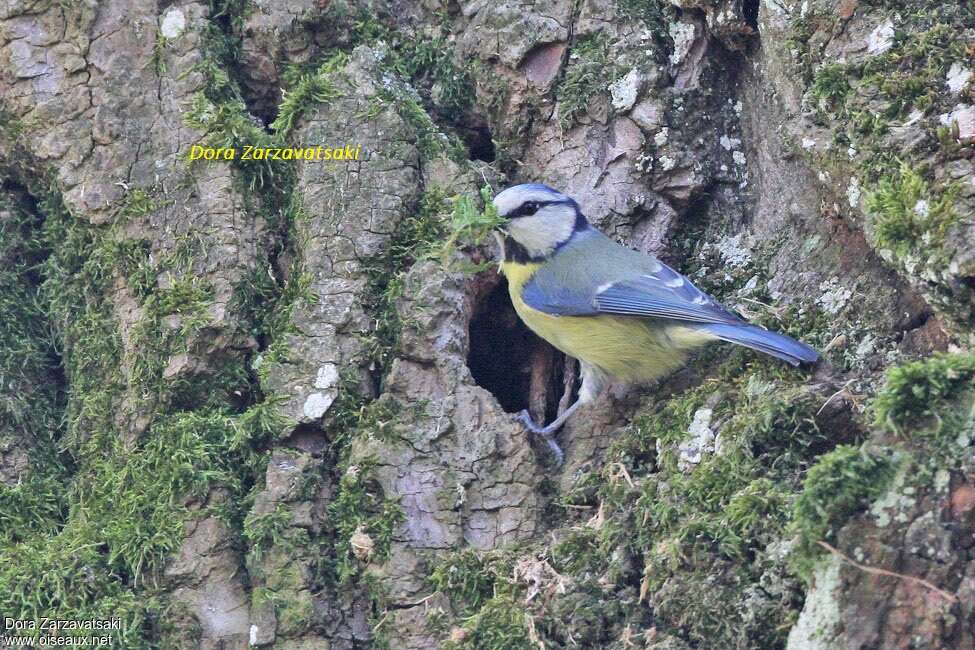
x: 91, y: 537
x: 469, y: 578
x: 591, y: 69
x: 841, y: 483
x: 880, y: 104
x: 31, y: 389
x: 928, y: 400
x: 317, y: 87
x: 499, y: 625
x: 910, y: 217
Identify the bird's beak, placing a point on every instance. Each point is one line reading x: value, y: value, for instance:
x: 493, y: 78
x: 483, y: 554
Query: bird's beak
x: 500, y: 239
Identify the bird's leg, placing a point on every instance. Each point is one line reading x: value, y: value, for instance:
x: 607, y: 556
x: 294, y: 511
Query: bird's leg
x: 592, y: 383
x: 546, y: 432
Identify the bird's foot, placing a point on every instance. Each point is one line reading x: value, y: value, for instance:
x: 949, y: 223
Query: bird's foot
x: 545, y: 433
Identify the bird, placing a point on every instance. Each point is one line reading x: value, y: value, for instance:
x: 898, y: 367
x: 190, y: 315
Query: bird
x: 624, y: 315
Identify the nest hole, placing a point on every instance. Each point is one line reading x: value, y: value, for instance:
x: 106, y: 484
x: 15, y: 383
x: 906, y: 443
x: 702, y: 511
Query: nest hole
x: 479, y: 141
x: 504, y: 355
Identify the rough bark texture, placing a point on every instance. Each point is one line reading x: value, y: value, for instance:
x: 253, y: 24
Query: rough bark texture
x: 242, y: 403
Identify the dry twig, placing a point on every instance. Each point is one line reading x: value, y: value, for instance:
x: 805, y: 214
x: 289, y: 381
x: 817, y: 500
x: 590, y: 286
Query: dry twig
x: 952, y: 598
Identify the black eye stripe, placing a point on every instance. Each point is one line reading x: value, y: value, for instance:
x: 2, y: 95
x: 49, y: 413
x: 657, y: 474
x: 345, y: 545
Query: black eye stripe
x: 529, y: 208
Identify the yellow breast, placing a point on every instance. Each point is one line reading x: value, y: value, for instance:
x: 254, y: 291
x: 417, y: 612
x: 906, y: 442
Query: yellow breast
x: 625, y: 347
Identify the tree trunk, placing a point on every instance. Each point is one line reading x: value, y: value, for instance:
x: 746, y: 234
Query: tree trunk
x: 249, y: 398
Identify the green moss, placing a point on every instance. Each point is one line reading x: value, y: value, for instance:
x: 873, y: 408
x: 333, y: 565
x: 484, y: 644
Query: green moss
x: 35, y: 507
x: 139, y: 202
x: 702, y: 533
x: 382, y: 419
x: 590, y: 70
x: 578, y: 552
x: 317, y: 87
x: 919, y: 398
x: 269, y: 308
x: 158, y: 60
x: 262, y: 530
x: 87, y: 533
x: 908, y: 75
x: 831, y: 85
x: 413, y: 239
x: 775, y: 420
x: 423, y: 234
x: 583, y: 492
x: 799, y: 39
x: 694, y: 541
x: 227, y: 124
x: 129, y: 504
x: 670, y: 423
x: 861, y: 100
x: 31, y: 389
x: 909, y: 217
x: 716, y: 608
x: 691, y: 511
x: 501, y: 624
x: 468, y: 578
x: 76, y: 278
x: 137, y: 496
x: 757, y: 511
x: 66, y: 577
x: 219, y: 110
x: 468, y: 226
x: 172, y: 317
x: 360, y: 506
x: 295, y: 614
x: 431, y: 141
x: 912, y: 72
x: 428, y: 61
x: 841, y: 483
x: 293, y: 605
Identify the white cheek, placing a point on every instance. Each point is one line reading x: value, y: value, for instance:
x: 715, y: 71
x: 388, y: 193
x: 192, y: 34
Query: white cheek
x: 520, y: 229
x: 541, y: 233
x: 531, y: 233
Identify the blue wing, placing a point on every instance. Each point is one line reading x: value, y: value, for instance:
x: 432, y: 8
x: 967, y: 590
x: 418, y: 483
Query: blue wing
x: 664, y: 294
x: 594, y: 275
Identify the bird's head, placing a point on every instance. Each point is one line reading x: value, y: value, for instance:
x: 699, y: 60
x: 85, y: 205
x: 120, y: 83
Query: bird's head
x: 538, y: 220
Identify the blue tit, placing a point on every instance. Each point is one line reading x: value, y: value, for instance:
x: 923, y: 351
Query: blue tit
x: 624, y: 315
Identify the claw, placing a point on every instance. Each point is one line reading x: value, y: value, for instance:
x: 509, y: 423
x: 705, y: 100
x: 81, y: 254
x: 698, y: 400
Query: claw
x: 553, y: 447
x: 545, y: 433
x: 526, y: 418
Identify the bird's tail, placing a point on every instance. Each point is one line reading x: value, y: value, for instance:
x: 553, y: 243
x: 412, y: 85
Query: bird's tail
x: 756, y: 338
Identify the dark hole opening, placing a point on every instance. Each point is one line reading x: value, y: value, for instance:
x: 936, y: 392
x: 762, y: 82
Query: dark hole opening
x: 750, y: 9
x: 479, y: 142
x: 503, y: 352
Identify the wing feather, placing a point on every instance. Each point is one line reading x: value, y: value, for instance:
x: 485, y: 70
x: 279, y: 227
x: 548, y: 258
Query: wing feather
x: 653, y: 296
x: 597, y: 276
